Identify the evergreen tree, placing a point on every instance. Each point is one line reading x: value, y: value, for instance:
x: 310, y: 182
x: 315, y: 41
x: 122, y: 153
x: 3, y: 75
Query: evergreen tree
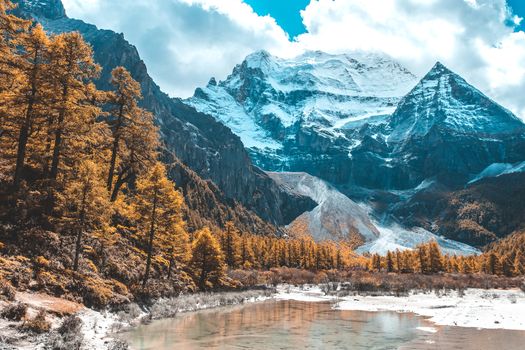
x: 71, y: 69
x: 84, y: 205
x: 231, y: 245
x: 135, y: 138
x: 389, y: 262
x: 422, y: 253
x: 435, y: 259
x: 518, y: 268
x: 247, y: 253
x: 207, y: 262
x: 157, y: 208
x: 29, y: 101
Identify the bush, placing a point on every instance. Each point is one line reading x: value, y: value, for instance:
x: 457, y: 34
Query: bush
x: 39, y: 324
x: 7, y: 290
x: 14, y: 312
x: 68, y: 335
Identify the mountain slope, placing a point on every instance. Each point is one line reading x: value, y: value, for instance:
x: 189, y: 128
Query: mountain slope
x: 344, y: 119
x: 336, y: 217
x: 291, y: 114
x: 201, y: 143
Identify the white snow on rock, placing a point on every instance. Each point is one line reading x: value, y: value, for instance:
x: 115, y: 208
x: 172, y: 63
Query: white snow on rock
x: 498, y: 169
x: 396, y: 237
x: 443, y: 98
x: 316, y: 89
x: 336, y: 217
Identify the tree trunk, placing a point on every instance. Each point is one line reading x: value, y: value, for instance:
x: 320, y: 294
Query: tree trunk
x: 121, y: 180
x: 114, y: 150
x: 113, y: 162
x: 82, y: 218
x: 170, y: 267
x: 24, y: 130
x: 58, y: 136
x: 21, y: 154
x: 151, y: 237
x: 49, y: 140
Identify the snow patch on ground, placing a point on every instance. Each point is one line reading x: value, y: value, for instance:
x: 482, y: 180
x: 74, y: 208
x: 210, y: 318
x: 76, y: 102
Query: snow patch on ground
x: 498, y: 169
x: 397, y: 237
x: 477, y: 308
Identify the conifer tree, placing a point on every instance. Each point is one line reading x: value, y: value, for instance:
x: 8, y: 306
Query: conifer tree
x: 157, y: 209
x: 11, y: 30
x: 71, y: 69
x: 207, y: 262
x: 84, y: 205
x: 231, y: 245
x: 435, y: 260
x: 134, y: 136
x: 389, y: 262
x: 247, y: 253
x: 30, y: 102
x: 518, y: 267
x: 422, y: 253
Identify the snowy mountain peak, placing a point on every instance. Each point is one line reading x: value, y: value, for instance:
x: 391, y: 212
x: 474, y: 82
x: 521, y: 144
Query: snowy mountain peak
x: 445, y: 100
x: 270, y: 102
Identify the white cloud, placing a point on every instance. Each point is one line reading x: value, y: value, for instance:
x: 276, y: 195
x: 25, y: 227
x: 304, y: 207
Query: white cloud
x: 185, y: 42
x: 469, y: 36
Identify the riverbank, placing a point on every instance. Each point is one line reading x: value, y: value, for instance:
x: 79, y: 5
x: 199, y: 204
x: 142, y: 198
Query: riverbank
x: 73, y: 325
x: 477, y: 308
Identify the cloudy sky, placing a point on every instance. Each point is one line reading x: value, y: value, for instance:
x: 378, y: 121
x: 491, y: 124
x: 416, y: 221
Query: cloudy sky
x: 185, y: 42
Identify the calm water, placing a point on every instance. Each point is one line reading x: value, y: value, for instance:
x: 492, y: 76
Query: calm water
x: 303, y: 325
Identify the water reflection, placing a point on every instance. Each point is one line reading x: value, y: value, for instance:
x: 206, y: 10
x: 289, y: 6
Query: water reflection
x: 279, y: 325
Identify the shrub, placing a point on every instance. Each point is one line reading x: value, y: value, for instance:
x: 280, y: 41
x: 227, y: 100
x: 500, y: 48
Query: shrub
x: 14, y: 312
x: 7, y: 290
x: 68, y: 335
x: 39, y: 324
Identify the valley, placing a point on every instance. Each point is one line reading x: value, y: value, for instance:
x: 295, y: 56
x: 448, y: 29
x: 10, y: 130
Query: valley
x: 339, y: 178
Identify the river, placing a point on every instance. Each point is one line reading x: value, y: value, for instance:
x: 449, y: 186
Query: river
x: 288, y: 324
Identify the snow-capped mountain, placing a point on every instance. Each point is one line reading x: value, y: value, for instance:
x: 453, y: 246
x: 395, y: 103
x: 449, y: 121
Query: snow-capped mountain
x: 367, y: 126
x: 444, y: 100
x: 286, y: 109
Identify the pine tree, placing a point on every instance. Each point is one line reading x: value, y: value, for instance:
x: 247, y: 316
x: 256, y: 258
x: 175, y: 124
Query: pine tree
x: 492, y: 264
x: 207, y: 262
x: 518, y: 267
x: 11, y: 30
x: 389, y: 262
x: 84, y: 205
x: 135, y: 138
x: 435, y: 259
x: 422, y: 254
x: 231, y: 245
x: 71, y: 69
x: 247, y: 254
x: 30, y: 102
x: 158, y: 208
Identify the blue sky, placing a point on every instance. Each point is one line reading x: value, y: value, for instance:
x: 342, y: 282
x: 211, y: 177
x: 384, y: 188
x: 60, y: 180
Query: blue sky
x: 285, y: 12
x: 518, y: 6
x: 186, y: 42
